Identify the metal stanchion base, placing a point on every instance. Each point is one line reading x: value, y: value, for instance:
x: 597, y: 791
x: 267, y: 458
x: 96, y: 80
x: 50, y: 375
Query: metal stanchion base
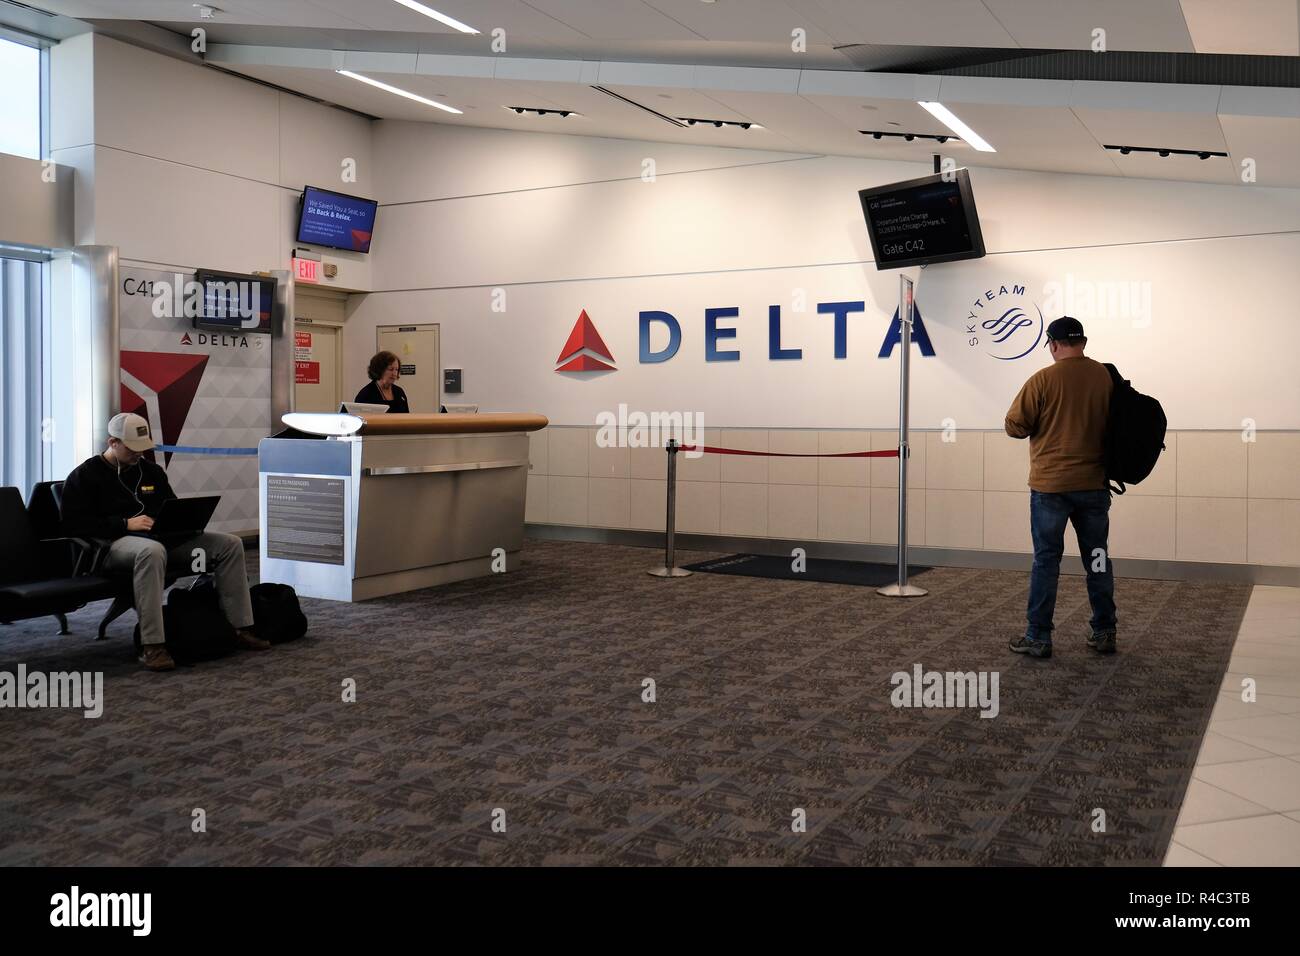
x: 669, y: 572
x: 904, y: 590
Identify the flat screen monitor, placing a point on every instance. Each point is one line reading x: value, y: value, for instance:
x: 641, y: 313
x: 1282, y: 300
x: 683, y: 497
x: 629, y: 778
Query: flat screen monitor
x: 336, y: 220
x: 234, y: 302
x: 363, y: 408
x: 923, y: 221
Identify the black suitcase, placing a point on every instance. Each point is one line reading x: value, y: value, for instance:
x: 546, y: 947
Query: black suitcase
x: 194, y: 626
x: 277, y: 616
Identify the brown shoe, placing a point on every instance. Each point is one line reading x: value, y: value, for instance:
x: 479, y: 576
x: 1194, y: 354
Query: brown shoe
x: 156, y: 658
x: 250, y: 641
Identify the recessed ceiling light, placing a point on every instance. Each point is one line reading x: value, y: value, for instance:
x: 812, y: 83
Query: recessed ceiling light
x: 950, y: 120
x: 397, y: 91
x: 435, y: 15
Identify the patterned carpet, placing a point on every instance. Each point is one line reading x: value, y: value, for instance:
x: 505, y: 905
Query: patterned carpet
x: 524, y: 692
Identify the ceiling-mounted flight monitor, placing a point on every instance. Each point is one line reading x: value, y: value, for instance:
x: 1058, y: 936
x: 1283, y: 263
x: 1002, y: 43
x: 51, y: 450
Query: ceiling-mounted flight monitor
x: 923, y: 221
x: 234, y: 302
x: 336, y: 220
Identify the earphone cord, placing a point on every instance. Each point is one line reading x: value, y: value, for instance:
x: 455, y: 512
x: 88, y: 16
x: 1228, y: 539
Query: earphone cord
x: 134, y: 494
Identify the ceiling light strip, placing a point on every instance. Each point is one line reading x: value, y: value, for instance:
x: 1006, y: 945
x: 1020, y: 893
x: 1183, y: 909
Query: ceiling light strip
x: 950, y: 120
x: 397, y: 91
x: 435, y: 15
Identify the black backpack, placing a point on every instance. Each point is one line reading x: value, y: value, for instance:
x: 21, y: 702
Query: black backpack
x: 276, y: 613
x: 194, y: 626
x: 1135, y: 434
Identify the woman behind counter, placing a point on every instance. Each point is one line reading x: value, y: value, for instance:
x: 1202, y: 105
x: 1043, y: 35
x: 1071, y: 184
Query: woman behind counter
x: 384, y: 370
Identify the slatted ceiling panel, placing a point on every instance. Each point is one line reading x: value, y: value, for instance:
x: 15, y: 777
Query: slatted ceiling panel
x: 764, y: 21
x: 1068, y: 24
x: 1268, y: 27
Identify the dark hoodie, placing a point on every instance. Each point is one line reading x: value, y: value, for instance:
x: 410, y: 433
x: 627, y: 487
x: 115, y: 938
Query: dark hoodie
x: 98, y: 499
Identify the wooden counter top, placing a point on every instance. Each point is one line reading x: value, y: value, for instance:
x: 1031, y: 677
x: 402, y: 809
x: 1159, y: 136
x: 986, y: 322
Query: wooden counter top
x: 387, y: 424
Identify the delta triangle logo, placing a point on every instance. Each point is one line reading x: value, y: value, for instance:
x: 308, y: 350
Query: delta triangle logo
x: 185, y: 339
x: 167, y: 378
x: 585, y: 349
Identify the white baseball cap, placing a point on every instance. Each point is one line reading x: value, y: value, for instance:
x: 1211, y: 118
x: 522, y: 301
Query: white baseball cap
x: 132, y: 430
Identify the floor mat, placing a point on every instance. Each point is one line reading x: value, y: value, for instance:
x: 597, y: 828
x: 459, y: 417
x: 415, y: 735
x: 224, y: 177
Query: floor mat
x: 821, y: 570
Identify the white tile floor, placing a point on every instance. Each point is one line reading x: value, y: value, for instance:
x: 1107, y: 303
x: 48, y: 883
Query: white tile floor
x: 1243, y: 805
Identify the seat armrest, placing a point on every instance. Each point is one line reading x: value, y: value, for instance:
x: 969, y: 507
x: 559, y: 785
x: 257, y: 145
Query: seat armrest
x: 90, y: 553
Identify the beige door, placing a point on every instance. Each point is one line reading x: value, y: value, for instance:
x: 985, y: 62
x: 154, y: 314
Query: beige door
x: 316, y: 367
x: 416, y: 346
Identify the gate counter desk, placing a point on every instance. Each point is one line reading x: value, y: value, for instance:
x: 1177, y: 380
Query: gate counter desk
x: 356, y: 507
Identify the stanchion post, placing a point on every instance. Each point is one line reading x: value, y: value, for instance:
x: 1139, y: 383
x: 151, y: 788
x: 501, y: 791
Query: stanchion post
x: 670, y: 569
x: 902, y: 588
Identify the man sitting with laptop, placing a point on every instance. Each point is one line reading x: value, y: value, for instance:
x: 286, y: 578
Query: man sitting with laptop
x: 118, y: 496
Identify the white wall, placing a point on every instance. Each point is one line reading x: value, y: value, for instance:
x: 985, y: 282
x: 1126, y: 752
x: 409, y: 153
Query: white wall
x: 190, y: 167
x: 1216, y: 262
x: 563, y: 224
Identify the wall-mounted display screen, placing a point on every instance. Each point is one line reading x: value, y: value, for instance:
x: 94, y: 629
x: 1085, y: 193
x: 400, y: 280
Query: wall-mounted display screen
x: 233, y: 302
x: 922, y: 221
x: 336, y: 220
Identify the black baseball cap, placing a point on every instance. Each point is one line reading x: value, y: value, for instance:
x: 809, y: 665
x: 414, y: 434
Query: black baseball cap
x: 1065, y: 329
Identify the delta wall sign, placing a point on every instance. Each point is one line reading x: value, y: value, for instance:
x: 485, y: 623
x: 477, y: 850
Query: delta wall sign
x: 586, y: 351
x: 1002, y: 321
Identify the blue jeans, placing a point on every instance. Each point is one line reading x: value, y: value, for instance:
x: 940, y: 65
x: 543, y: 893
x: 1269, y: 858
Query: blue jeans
x: 1048, y: 515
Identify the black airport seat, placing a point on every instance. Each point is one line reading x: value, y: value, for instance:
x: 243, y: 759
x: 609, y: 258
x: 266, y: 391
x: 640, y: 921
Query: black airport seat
x: 46, y: 511
x: 37, y: 576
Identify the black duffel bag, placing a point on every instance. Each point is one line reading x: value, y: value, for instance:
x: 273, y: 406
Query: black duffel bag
x: 277, y: 615
x: 194, y: 626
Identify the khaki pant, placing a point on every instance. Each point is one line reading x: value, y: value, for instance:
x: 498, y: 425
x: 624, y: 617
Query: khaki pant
x: 148, y: 561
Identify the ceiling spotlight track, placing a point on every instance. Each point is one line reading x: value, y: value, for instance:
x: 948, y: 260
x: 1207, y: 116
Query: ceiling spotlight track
x: 640, y: 106
x: 542, y: 112
x: 880, y: 134
x: 718, y: 124
x: 1164, y: 151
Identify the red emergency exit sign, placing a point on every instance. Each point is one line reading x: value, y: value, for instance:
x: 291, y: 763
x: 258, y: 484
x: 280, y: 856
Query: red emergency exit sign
x: 306, y: 270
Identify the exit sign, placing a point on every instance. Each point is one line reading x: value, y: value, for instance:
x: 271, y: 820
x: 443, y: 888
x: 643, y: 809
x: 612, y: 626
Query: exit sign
x: 306, y: 270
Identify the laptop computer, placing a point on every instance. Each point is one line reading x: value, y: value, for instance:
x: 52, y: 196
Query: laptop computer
x: 182, y: 517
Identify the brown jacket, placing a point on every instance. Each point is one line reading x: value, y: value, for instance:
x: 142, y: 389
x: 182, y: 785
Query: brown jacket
x: 1062, y: 410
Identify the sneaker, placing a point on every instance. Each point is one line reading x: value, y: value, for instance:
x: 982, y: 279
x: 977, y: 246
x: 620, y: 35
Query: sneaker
x: 1032, y: 648
x: 249, y: 641
x: 1103, y: 642
x: 156, y: 658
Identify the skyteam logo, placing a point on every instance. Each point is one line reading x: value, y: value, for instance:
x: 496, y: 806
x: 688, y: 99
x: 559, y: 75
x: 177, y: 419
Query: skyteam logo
x: 1006, y: 323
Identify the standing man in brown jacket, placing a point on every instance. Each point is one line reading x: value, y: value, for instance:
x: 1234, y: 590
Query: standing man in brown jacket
x: 1062, y: 410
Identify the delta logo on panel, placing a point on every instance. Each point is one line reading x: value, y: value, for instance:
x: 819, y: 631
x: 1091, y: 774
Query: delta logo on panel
x: 585, y: 351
